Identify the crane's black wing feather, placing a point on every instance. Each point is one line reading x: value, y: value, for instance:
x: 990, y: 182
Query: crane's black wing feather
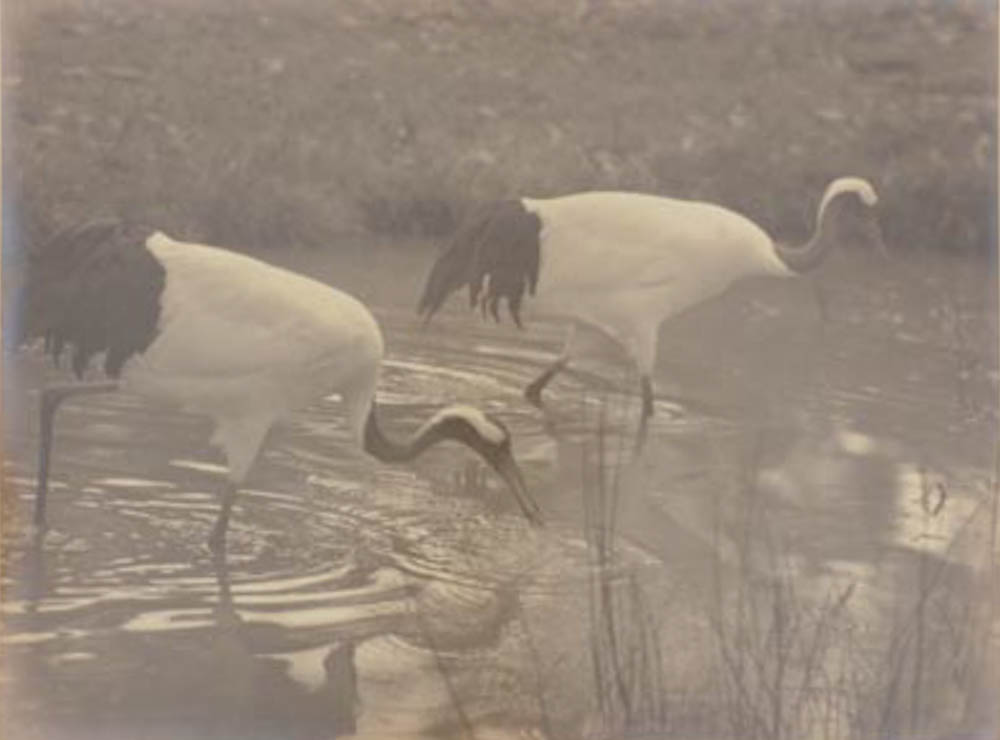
x: 496, y: 254
x: 94, y: 288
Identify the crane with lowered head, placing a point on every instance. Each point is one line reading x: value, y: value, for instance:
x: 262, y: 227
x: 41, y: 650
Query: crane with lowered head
x: 227, y: 336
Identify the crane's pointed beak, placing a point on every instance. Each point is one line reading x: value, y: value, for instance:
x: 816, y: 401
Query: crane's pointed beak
x: 819, y: 296
x: 880, y: 244
x: 507, y: 469
x: 875, y: 235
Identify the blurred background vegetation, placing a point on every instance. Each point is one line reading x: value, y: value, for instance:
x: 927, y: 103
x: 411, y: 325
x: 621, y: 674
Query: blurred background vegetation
x: 313, y: 122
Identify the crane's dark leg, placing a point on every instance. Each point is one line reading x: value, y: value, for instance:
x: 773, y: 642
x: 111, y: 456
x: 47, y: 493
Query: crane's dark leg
x: 534, y: 390
x: 822, y: 306
x: 217, y: 540
x: 643, y: 347
x: 221, y: 568
x: 647, y: 411
x: 533, y: 393
x: 49, y: 402
x: 647, y: 396
x: 241, y: 438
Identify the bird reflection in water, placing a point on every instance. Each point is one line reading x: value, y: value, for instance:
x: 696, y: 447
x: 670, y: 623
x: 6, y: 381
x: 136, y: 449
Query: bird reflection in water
x: 277, y: 704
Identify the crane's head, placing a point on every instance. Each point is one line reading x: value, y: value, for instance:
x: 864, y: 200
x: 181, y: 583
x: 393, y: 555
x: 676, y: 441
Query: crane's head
x: 850, y: 194
x: 866, y: 221
x: 861, y: 187
x: 491, y: 439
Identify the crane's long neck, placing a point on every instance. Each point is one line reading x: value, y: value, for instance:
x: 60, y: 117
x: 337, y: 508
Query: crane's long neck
x: 389, y: 450
x: 811, y: 254
x: 470, y: 426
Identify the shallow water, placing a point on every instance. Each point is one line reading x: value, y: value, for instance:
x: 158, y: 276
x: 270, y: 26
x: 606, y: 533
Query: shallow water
x: 850, y: 455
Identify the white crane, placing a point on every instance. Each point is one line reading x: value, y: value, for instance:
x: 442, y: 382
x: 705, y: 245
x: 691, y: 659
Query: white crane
x: 620, y: 262
x: 225, y: 335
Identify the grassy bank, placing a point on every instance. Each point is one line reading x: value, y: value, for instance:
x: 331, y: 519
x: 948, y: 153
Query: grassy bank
x: 308, y: 123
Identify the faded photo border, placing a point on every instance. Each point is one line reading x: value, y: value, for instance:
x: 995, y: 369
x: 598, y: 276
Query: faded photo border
x: 499, y: 369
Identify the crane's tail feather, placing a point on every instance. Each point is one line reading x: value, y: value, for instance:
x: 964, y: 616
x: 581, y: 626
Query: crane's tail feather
x: 94, y: 288
x: 495, y: 254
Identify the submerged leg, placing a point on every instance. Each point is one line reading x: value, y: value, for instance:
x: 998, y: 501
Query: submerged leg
x: 647, y: 411
x: 644, y: 349
x: 822, y: 306
x: 241, y: 438
x: 49, y: 403
x: 534, y: 390
x: 646, y: 385
x: 217, y: 540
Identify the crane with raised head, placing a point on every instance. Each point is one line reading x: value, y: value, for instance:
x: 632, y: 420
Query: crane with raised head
x: 620, y: 262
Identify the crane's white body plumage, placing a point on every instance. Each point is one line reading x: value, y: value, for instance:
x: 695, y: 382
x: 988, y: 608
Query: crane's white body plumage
x: 228, y: 336
x: 621, y: 262
x: 624, y: 262
x: 246, y: 343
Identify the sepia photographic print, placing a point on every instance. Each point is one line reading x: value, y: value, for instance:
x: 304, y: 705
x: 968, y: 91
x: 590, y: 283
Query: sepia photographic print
x: 499, y: 370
